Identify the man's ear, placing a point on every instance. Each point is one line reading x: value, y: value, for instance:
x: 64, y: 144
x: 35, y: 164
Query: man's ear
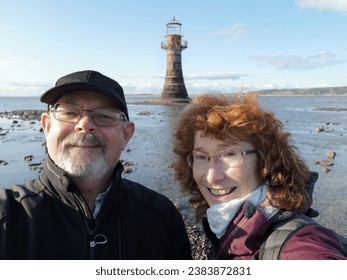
x: 129, y: 131
x: 45, y: 122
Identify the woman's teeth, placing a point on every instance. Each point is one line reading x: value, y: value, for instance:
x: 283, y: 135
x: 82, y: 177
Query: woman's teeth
x: 221, y: 191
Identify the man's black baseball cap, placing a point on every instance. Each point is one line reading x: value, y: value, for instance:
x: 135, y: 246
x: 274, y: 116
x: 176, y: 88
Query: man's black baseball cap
x: 86, y: 80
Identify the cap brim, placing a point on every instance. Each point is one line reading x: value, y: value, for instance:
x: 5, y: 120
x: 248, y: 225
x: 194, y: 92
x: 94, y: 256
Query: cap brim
x: 52, y: 95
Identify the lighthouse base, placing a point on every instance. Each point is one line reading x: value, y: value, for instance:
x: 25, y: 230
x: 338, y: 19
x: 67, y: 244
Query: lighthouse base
x: 174, y: 91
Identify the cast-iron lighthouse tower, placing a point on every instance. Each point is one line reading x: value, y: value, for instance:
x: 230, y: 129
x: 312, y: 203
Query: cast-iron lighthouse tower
x: 174, y: 86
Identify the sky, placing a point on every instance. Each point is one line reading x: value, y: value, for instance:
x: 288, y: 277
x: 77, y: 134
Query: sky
x: 233, y: 45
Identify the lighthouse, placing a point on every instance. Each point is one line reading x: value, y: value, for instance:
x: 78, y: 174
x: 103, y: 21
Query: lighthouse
x: 174, y: 86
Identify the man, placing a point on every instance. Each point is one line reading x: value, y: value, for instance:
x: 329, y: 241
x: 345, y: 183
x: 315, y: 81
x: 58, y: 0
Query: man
x: 81, y: 207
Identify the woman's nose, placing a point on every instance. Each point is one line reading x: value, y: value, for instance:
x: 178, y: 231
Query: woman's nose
x: 214, y: 172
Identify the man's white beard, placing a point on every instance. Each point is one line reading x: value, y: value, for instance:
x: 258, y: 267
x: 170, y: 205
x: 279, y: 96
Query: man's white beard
x: 87, y: 164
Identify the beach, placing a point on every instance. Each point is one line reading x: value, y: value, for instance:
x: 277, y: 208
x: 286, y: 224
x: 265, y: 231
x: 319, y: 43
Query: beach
x: 318, y: 126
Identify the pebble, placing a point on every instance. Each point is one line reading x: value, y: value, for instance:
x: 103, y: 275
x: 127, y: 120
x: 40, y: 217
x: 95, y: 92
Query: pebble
x: 126, y: 165
x: 331, y: 154
x: 199, y: 243
x: 28, y: 158
x: 326, y: 162
x: 34, y: 164
x: 144, y: 113
x: 326, y: 170
x: 32, y: 115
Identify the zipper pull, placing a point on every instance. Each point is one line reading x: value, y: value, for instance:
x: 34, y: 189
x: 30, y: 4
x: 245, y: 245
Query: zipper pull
x: 97, y: 240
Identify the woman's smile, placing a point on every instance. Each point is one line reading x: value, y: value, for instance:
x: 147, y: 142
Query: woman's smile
x: 221, y: 192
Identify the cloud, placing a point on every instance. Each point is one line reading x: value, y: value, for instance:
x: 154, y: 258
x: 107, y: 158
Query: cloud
x: 21, y: 89
x: 202, y: 88
x: 210, y: 76
x: 335, y: 5
x: 232, y: 32
x: 195, y: 83
x: 215, y: 76
x: 291, y: 62
x: 142, y: 88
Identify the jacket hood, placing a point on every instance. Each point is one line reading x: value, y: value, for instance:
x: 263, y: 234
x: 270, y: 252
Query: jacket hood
x: 275, y: 215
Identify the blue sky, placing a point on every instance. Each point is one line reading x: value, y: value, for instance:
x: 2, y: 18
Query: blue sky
x: 233, y: 45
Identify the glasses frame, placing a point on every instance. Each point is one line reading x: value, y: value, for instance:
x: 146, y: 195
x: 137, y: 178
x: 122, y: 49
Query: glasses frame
x: 242, y: 153
x: 53, y: 109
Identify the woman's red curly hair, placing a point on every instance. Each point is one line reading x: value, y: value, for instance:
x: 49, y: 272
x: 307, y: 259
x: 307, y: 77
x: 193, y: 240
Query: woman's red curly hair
x: 242, y: 119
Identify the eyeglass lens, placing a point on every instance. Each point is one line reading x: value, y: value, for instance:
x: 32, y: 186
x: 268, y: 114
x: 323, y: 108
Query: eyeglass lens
x: 101, y: 116
x: 230, y: 158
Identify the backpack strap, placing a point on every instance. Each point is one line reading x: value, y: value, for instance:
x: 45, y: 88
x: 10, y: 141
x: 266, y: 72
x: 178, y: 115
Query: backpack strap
x: 280, y: 234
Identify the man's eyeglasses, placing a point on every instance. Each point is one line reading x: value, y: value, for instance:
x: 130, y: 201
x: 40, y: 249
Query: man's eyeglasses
x: 73, y: 113
x: 227, y: 158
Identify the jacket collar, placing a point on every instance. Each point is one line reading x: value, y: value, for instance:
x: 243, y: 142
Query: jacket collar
x: 57, y: 176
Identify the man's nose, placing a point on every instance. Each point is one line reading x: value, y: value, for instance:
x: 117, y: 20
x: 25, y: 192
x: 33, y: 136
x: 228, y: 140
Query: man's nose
x: 86, y: 123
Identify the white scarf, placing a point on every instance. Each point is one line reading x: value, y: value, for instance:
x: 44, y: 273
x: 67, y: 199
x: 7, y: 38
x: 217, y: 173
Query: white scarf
x: 220, y: 215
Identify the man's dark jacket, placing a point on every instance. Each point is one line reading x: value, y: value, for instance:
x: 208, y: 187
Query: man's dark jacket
x: 48, y: 219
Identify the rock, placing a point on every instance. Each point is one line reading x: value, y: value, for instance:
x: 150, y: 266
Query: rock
x: 23, y: 115
x: 127, y: 163
x: 39, y: 169
x: 144, y: 113
x: 3, y: 162
x: 127, y: 170
x: 34, y: 164
x: 325, y: 162
x: 326, y: 170
x: 331, y: 154
x: 28, y: 158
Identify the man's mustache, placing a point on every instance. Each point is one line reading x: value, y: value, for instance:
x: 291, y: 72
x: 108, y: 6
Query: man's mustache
x: 74, y: 139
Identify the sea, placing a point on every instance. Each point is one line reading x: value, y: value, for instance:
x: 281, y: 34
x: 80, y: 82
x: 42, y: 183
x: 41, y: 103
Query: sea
x: 317, y: 124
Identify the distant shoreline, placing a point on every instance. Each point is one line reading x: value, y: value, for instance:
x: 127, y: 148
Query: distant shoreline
x: 30, y: 114
x: 191, y: 96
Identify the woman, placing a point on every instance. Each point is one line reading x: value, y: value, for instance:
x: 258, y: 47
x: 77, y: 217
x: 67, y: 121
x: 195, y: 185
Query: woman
x: 243, y: 177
